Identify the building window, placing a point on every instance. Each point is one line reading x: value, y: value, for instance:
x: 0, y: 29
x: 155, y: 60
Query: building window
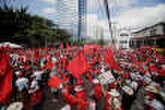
x: 153, y: 32
x: 123, y: 41
x: 123, y: 34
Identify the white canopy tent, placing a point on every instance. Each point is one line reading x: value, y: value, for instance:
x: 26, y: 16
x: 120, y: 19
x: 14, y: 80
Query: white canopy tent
x: 11, y: 45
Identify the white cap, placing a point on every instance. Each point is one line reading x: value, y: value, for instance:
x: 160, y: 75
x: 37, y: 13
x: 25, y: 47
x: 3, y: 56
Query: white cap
x: 153, y: 87
x: 96, y: 81
x: 147, y: 79
x: 78, y: 88
x: 134, y: 85
x: 114, y: 93
x: 154, y: 73
x: 18, y: 73
x: 128, y: 81
x: 15, y: 106
x: 128, y: 90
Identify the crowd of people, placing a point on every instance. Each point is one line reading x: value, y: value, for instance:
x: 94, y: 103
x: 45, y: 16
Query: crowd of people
x: 85, y: 78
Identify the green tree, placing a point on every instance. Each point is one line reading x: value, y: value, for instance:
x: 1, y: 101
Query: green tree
x: 18, y: 26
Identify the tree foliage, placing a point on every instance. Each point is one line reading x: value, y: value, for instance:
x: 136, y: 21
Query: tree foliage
x: 19, y: 26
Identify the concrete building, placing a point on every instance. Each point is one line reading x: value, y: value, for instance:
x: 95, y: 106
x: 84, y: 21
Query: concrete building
x: 157, y: 29
x: 149, y: 36
x: 123, y: 39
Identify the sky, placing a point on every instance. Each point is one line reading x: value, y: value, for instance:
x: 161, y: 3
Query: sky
x: 130, y: 14
x: 133, y: 14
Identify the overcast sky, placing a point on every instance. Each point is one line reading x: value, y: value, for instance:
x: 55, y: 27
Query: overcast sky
x: 125, y: 13
x: 133, y: 14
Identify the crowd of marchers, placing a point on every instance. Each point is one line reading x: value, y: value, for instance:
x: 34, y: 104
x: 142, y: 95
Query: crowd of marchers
x: 91, y: 77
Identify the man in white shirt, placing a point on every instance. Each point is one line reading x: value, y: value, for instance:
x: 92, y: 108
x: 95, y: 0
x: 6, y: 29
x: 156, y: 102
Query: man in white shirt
x: 22, y: 83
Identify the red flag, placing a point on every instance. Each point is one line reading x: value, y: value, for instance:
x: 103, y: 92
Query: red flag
x: 27, y: 55
x: 71, y: 45
x: 153, y: 68
x: 162, y: 73
x: 110, y: 60
x: 4, y: 64
x: 55, y: 82
x: 6, y: 80
x: 61, y: 46
x: 36, y: 56
x: 70, y: 99
x: 78, y: 66
x: 133, y: 58
x: 67, y: 45
x: 88, y: 50
x: 50, y: 64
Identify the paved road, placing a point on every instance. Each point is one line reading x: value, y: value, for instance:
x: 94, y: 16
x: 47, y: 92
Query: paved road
x: 51, y: 102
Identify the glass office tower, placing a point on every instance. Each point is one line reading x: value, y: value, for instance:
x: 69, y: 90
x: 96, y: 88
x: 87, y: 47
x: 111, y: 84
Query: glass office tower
x: 71, y: 15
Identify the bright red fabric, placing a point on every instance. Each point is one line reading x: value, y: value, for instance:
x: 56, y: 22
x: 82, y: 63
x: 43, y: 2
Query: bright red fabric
x: 6, y: 80
x: 110, y: 60
x: 98, y: 92
x: 54, y: 82
x: 162, y: 73
x: 37, y: 97
x: 78, y: 66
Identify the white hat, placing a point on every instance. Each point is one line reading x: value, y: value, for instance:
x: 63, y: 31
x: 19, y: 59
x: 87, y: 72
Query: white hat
x: 18, y: 73
x: 95, y: 81
x: 133, y: 75
x: 114, y: 93
x: 128, y: 90
x: 134, y: 85
x: 154, y: 84
x: 147, y: 79
x: 154, y: 73
x: 15, y: 106
x: 152, y: 88
x: 128, y: 81
x: 78, y: 88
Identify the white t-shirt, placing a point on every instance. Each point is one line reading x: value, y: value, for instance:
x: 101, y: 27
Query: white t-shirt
x: 22, y: 83
x: 34, y: 86
x: 38, y: 74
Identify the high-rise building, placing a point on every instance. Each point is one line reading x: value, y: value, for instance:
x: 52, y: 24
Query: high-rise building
x: 71, y: 15
x: 82, y: 18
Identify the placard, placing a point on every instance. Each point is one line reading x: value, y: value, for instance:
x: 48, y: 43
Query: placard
x: 106, y: 78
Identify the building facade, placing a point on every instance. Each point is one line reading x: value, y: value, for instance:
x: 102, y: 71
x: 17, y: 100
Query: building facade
x: 71, y: 15
x: 149, y: 36
x: 123, y: 39
x: 157, y: 29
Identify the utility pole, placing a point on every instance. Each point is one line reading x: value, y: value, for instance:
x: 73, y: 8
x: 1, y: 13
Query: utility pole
x: 109, y: 22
